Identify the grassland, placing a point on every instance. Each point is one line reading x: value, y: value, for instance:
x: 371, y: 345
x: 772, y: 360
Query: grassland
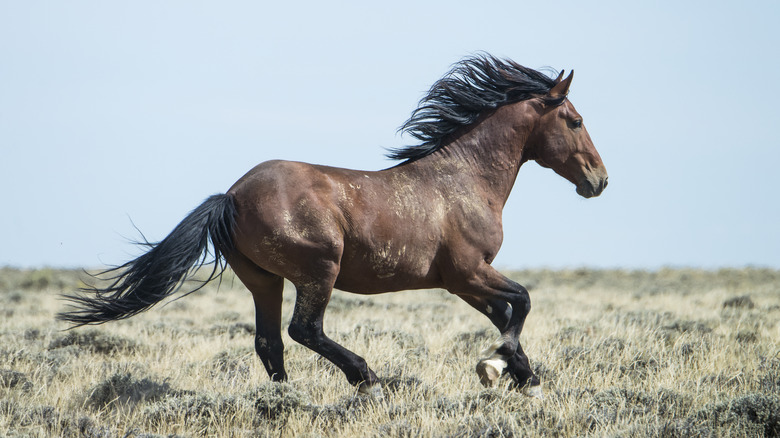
x: 620, y: 353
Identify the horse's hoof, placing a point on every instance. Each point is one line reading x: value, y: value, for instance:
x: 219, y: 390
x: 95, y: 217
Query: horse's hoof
x: 373, y: 391
x: 489, y: 371
x: 534, y: 391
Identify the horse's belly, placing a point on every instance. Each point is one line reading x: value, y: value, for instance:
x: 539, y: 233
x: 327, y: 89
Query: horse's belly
x: 387, y: 268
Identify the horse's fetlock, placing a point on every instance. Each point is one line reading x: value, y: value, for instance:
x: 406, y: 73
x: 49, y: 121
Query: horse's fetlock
x: 504, y: 351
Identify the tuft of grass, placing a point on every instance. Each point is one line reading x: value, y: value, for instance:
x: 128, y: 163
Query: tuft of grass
x: 742, y: 302
x: 204, y: 411
x: 122, y: 390
x: 14, y: 379
x: 754, y: 414
x: 275, y: 400
x: 94, y: 341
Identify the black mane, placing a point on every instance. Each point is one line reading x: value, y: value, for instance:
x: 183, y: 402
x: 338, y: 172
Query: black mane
x: 474, y: 85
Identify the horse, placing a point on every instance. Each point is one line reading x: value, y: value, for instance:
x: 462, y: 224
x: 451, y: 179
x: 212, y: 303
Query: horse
x: 434, y: 220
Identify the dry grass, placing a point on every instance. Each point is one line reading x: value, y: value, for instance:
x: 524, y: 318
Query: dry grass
x: 666, y: 353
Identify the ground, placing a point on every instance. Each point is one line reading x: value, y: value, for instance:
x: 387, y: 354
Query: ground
x: 620, y: 353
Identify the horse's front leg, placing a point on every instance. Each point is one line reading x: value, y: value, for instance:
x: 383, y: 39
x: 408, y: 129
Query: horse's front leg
x: 517, y: 366
x: 492, y: 293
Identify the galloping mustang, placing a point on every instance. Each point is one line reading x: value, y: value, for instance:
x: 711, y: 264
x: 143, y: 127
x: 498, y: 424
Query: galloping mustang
x: 432, y: 221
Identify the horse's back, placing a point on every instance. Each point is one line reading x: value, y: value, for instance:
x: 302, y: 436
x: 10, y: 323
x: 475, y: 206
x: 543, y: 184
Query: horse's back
x: 369, y: 223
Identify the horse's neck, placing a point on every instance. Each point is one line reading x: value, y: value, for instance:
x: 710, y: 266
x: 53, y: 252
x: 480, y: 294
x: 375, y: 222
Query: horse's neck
x: 488, y: 155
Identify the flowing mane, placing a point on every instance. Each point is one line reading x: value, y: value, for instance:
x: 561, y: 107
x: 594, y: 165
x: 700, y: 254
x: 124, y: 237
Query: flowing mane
x: 473, y: 86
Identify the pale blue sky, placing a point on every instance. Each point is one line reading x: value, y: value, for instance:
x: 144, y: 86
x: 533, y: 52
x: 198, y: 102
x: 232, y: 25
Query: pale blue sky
x: 140, y: 110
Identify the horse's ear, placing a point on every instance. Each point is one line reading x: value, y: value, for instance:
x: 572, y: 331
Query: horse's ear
x: 560, y: 76
x: 561, y: 88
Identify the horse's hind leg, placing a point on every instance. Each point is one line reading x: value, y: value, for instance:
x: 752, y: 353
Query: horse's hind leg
x: 306, y: 328
x: 266, y: 291
x: 517, y: 365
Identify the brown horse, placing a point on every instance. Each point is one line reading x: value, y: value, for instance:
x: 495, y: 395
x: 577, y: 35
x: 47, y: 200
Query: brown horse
x: 432, y: 221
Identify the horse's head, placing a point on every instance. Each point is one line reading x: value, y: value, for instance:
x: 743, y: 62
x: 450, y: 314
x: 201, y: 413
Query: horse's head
x: 560, y: 142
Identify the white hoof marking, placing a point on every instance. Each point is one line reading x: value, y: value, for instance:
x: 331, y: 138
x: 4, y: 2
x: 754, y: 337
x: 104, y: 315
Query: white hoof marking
x: 490, y: 370
x: 497, y: 364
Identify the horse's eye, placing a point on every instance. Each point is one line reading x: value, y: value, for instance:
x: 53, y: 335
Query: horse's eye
x: 577, y: 124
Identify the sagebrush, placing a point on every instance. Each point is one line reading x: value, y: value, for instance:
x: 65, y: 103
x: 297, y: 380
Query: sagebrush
x: 620, y: 353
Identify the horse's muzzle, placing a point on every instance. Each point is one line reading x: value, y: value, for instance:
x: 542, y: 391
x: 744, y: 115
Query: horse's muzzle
x: 592, y: 185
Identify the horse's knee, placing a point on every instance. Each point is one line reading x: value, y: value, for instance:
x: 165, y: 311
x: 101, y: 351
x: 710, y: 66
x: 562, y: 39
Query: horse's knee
x: 523, y: 301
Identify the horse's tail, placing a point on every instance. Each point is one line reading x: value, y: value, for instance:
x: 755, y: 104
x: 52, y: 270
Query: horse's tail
x: 141, y: 283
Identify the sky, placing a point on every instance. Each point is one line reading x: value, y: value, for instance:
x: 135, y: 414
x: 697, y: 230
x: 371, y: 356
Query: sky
x: 116, y: 115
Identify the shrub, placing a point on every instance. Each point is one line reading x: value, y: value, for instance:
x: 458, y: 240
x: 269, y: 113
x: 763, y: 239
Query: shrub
x: 94, y: 341
x: 122, y: 389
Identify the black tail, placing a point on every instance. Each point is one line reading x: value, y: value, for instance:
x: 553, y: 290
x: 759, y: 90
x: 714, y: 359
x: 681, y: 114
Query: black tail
x: 141, y: 283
